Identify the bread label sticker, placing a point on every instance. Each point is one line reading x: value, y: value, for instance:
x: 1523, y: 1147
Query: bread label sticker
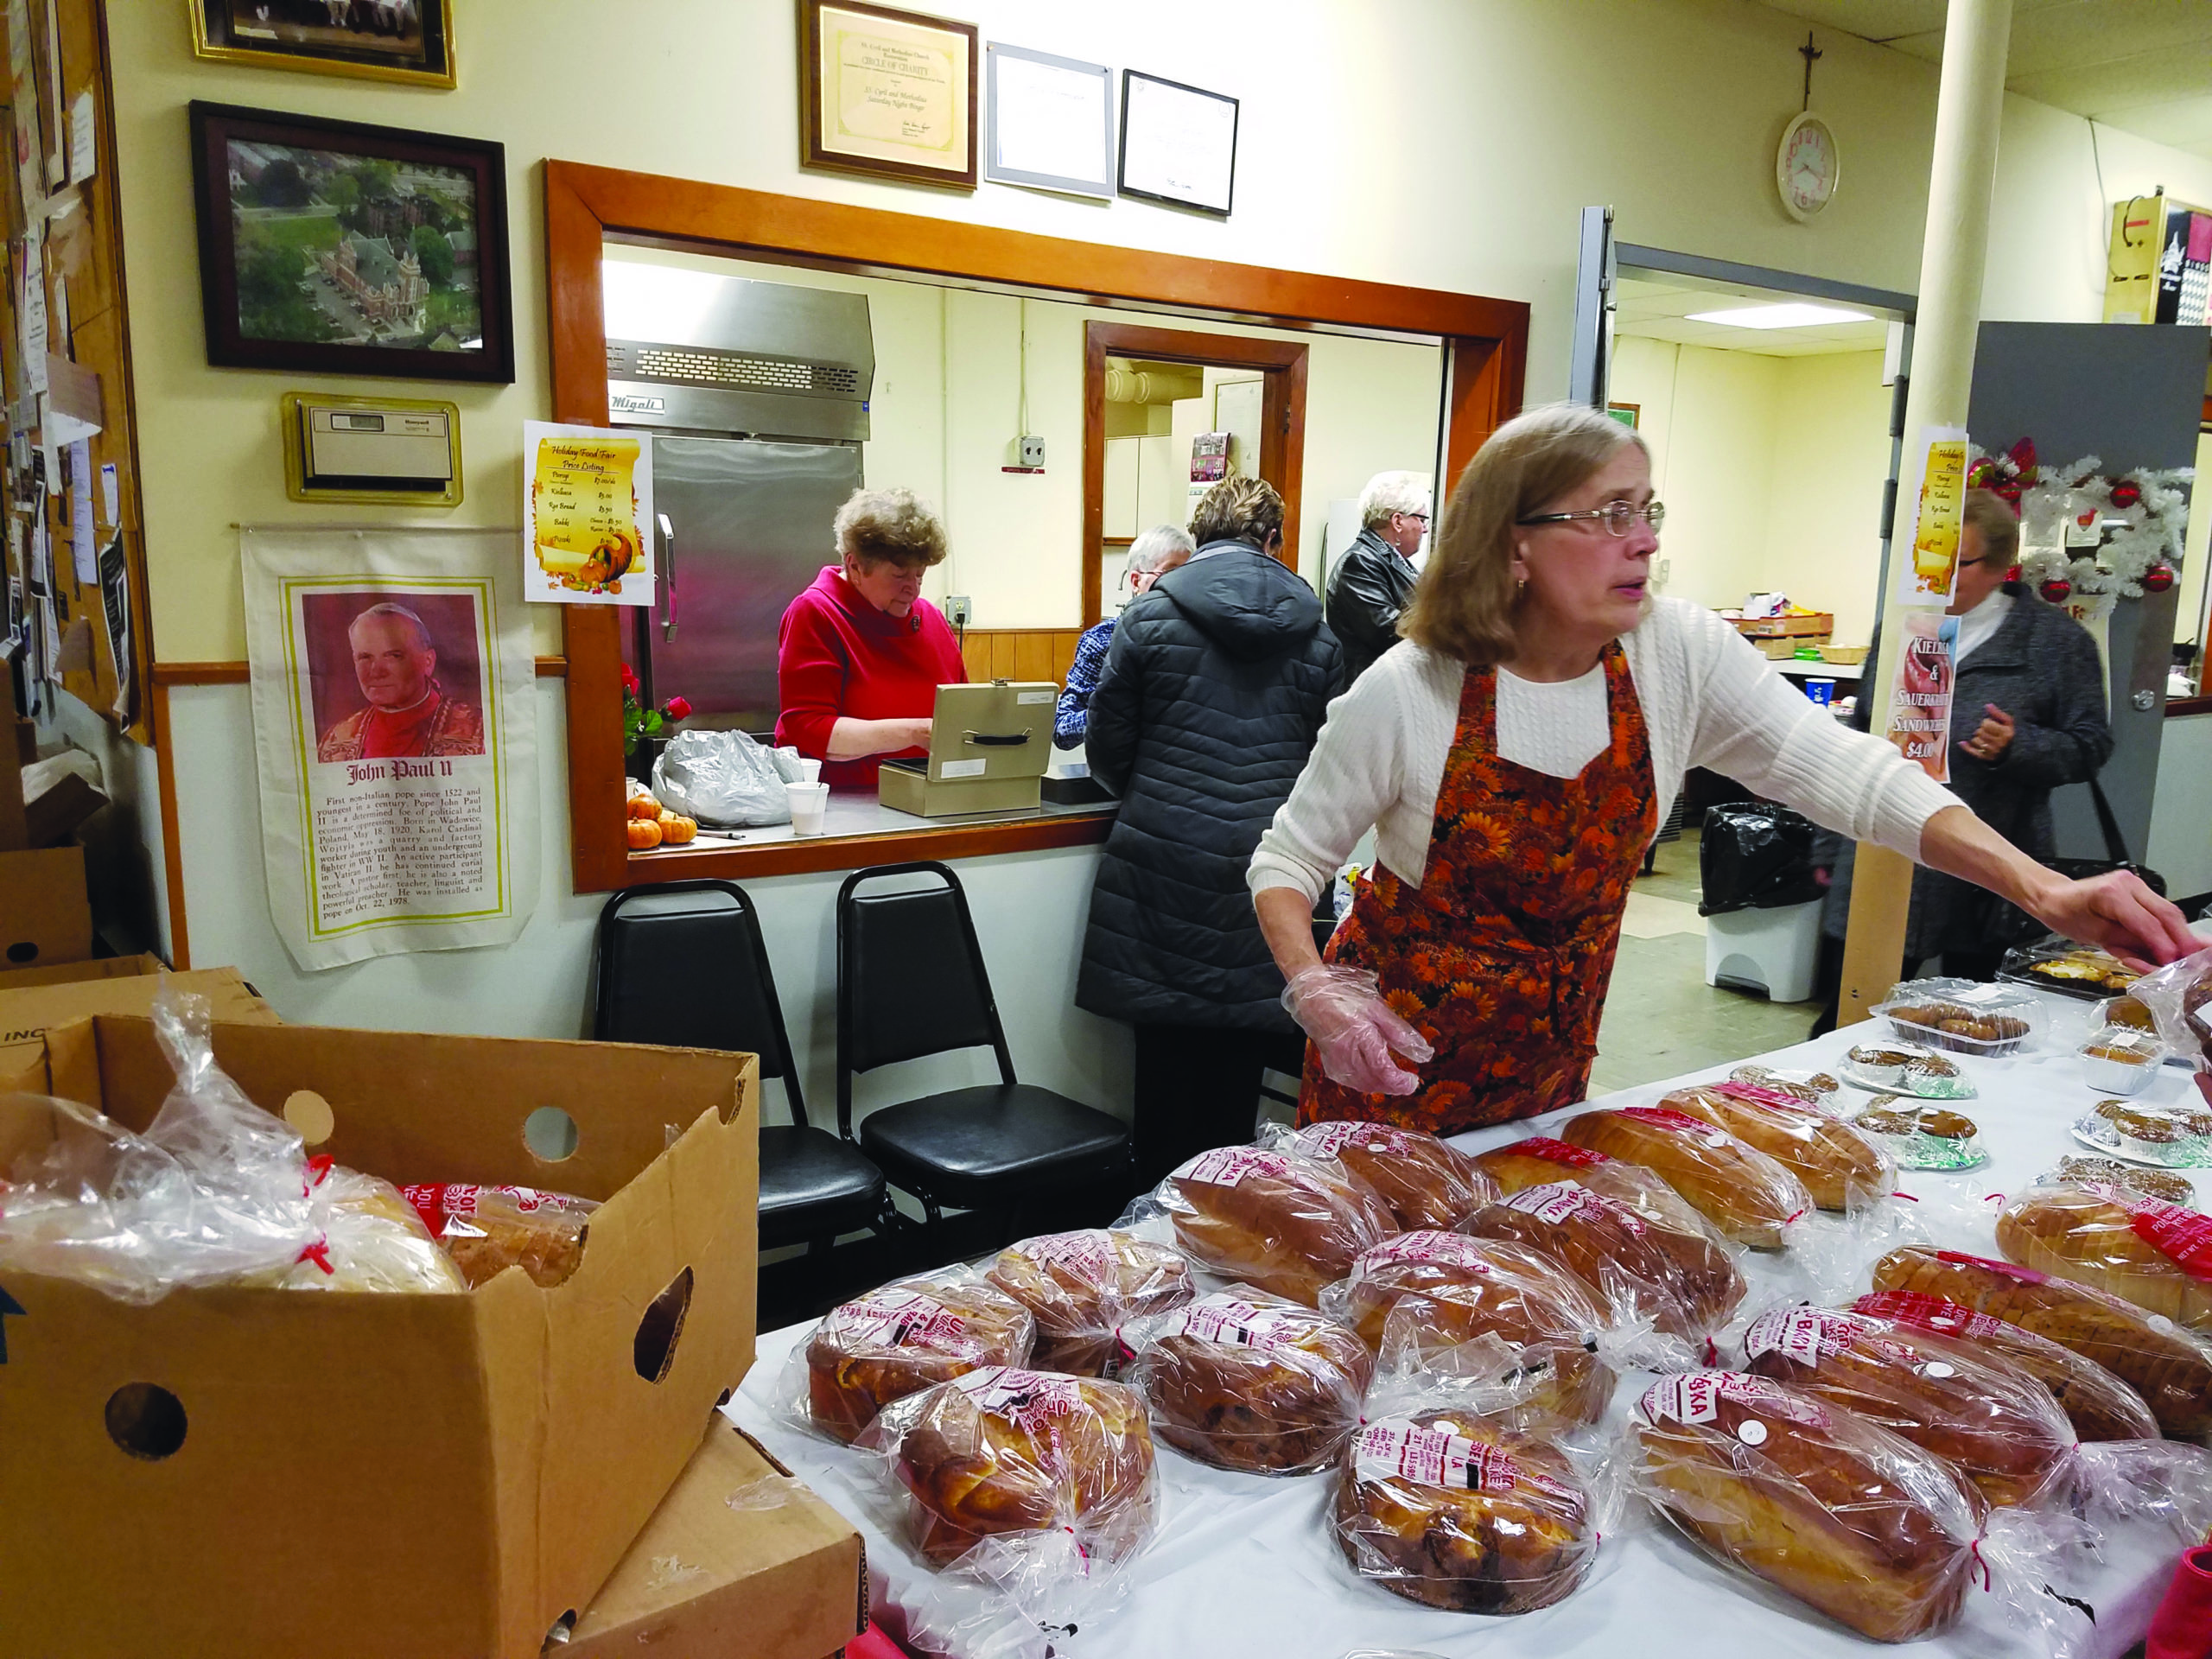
x: 1029, y: 1400
x: 1557, y: 1203
x: 1558, y: 1151
x: 438, y: 1203
x: 1328, y: 1139
x: 2018, y: 1274
x: 1222, y: 1319
x: 1807, y: 1335
x: 1087, y: 1255
x: 1431, y: 1457
x: 1228, y: 1166
x: 1925, y: 1312
x: 2182, y: 1236
x: 1695, y: 1397
x: 1675, y: 1123
x: 1426, y: 1245
x: 903, y: 1319
x: 1773, y: 1100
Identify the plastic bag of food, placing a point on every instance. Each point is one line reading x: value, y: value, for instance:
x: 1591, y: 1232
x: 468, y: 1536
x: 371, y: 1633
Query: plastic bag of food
x: 1749, y: 1196
x: 371, y: 1238
x: 1965, y: 1016
x: 487, y: 1229
x: 725, y: 778
x: 2171, y: 1370
x: 1821, y: 1089
x: 999, y: 1450
x: 1906, y: 1069
x: 1988, y: 1418
x: 1285, y: 1223
x: 2099, y: 1405
x: 1921, y: 1134
x: 901, y: 1338
x: 2179, y: 997
x: 2156, y: 1255
x: 1243, y: 1380
x: 1840, y: 1167
x: 2169, y: 1185
x: 215, y: 1190
x: 1425, y: 1181
x: 1081, y: 1287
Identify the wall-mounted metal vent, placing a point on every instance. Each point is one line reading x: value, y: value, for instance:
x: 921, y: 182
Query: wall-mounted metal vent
x: 698, y: 367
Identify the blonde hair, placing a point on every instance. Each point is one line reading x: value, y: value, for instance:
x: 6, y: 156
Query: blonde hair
x: 1237, y: 510
x: 893, y: 525
x: 1463, y: 606
x: 1989, y: 513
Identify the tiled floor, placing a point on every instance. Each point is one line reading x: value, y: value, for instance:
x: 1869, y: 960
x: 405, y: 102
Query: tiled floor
x: 1660, y: 1017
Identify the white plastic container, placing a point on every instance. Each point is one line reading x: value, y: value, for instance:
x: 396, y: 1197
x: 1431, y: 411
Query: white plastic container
x: 1776, y: 950
x: 810, y: 771
x: 810, y: 807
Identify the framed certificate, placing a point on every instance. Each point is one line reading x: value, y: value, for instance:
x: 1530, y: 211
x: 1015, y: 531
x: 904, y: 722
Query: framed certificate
x: 1179, y: 143
x: 890, y: 93
x: 1051, y: 122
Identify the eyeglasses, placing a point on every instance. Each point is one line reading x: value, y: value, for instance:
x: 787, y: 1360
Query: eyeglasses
x: 1422, y: 516
x: 1616, y: 516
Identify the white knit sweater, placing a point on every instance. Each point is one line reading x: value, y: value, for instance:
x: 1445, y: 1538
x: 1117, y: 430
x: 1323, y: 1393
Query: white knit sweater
x: 1709, y: 699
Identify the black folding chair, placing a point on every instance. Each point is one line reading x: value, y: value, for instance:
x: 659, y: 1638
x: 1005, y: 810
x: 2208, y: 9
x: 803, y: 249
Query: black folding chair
x: 683, y: 965
x: 910, y: 983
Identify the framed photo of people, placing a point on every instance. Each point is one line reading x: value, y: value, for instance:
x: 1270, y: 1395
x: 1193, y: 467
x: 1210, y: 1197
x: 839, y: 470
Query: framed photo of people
x: 332, y: 247
x: 409, y: 40
x: 888, y: 93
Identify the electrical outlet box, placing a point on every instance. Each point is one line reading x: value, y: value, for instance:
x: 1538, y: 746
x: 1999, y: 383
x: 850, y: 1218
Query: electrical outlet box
x: 1033, y: 451
x: 956, y: 610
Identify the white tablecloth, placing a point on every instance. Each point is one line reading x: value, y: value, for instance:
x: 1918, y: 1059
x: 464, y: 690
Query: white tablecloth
x: 1245, y: 1565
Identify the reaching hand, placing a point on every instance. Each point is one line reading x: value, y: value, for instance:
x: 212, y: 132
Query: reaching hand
x: 1357, y: 1031
x: 1992, y: 737
x: 2118, y: 914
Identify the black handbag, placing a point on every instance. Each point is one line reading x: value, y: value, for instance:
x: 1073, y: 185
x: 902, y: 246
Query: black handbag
x: 2011, y: 925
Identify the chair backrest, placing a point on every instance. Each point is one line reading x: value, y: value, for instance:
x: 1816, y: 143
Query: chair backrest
x: 682, y: 964
x: 911, y: 978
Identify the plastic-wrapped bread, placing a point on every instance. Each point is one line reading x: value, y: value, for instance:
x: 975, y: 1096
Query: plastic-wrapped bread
x: 2156, y: 1255
x: 372, y: 1240
x: 1679, y: 1277
x: 1425, y: 1182
x: 1243, y: 1380
x: 1994, y: 1422
x: 1080, y: 1287
x: 2099, y: 1405
x: 1744, y: 1193
x: 2171, y: 1371
x: 1849, y: 1518
x: 999, y: 1450
x: 1840, y: 1167
x: 1425, y: 1291
x: 487, y: 1229
x: 1451, y: 1511
x: 907, y: 1336
x: 1285, y: 1223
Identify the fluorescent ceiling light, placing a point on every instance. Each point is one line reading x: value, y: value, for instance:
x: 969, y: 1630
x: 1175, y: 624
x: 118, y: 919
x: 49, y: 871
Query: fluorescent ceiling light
x: 1794, y: 315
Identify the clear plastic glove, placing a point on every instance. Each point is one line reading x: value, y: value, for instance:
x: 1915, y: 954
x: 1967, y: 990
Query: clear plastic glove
x: 1357, y: 1033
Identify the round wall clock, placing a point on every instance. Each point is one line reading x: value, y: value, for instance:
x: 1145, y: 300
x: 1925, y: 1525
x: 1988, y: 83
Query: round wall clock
x: 1806, y: 166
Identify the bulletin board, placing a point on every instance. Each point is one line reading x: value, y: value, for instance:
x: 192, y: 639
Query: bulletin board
x: 66, y: 357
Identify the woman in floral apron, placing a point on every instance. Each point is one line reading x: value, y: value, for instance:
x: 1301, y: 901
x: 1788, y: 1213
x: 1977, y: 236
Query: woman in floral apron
x: 1515, y: 754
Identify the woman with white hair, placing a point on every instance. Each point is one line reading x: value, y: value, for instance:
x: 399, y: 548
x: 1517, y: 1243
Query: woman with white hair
x: 1152, y: 556
x: 1516, y: 758
x: 1372, y: 582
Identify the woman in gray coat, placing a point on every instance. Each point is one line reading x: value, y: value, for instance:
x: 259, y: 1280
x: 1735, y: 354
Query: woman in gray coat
x: 2027, y: 716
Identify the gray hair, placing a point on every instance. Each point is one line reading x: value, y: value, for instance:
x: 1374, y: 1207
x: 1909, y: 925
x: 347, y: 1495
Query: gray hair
x: 423, y: 640
x: 1162, y: 548
x: 1390, y: 493
x: 893, y: 525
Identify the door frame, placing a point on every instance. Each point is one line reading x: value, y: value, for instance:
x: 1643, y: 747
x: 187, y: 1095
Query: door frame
x: 1281, y: 364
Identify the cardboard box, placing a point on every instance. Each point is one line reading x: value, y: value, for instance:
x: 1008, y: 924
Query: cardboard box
x: 45, y: 916
x: 739, y: 1558
x: 1822, y: 623
x: 32, y: 999
x: 432, y: 1477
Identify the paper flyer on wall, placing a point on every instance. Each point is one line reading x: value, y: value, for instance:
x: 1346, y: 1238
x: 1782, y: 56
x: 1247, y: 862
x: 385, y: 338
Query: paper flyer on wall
x: 1920, y: 701
x: 1939, y: 478
x: 394, y: 733
x: 587, y: 515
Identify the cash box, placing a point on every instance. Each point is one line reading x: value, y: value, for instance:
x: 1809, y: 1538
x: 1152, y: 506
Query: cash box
x: 989, y: 747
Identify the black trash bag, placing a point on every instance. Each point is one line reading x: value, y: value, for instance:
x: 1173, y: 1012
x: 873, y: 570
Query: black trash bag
x: 1755, y: 856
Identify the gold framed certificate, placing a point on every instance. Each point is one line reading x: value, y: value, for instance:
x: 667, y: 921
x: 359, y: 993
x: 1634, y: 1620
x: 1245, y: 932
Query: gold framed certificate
x: 891, y: 93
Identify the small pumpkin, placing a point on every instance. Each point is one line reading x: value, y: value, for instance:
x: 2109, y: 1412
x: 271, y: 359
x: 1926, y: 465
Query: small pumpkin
x: 644, y: 806
x: 645, y: 834
x: 676, y: 830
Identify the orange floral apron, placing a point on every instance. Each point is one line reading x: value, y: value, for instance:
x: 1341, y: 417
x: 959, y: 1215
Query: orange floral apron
x: 1501, y: 956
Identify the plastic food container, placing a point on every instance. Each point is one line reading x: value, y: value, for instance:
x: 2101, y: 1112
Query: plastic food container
x: 2119, y: 1060
x: 2071, y: 969
x: 1963, y: 1015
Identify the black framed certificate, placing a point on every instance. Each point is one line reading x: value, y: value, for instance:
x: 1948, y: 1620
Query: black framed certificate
x: 1179, y: 143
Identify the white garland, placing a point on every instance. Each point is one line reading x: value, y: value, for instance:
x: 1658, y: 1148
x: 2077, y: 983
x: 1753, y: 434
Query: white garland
x: 2134, y: 539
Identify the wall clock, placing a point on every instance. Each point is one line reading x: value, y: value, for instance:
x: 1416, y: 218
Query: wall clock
x: 1806, y: 166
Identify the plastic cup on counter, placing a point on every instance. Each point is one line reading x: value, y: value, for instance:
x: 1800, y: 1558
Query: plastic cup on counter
x: 810, y: 807
x: 1821, y: 691
x: 810, y: 771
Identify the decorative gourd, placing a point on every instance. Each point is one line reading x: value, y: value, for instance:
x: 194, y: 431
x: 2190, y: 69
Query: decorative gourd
x: 645, y: 834
x: 643, y: 806
x: 676, y: 828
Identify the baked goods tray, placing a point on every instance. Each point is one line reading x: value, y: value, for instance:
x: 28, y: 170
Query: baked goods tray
x: 2061, y: 965
x: 2094, y: 1132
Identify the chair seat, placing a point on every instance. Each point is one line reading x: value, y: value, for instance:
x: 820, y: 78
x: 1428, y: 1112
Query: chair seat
x: 968, y: 1146
x: 814, y: 1186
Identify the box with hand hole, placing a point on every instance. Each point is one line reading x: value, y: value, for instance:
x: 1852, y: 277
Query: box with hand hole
x: 277, y: 1474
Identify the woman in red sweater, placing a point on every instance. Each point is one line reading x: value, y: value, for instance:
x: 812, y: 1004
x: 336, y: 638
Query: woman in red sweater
x: 860, y: 653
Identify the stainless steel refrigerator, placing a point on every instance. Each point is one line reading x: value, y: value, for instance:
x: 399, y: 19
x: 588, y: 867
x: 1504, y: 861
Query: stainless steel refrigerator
x: 756, y: 397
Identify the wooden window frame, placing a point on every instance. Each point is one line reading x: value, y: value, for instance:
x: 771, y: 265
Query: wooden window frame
x: 1485, y: 342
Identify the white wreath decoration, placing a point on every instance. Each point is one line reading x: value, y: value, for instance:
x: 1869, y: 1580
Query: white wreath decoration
x: 2133, y: 540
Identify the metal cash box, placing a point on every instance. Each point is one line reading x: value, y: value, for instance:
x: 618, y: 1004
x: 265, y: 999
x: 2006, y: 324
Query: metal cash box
x: 989, y: 744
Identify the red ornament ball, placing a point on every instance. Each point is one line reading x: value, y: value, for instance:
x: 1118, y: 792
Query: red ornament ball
x: 2126, y: 494
x: 2057, y: 590
x: 2157, y: 579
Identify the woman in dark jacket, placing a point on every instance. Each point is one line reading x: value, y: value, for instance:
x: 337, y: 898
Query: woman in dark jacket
x: 1214, y: 690
x: 2027, y: 716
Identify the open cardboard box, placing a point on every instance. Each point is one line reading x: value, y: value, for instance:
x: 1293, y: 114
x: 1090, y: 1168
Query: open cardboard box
x: 32, y: 999
x: 739, y: 1558
x: 437, y: 1476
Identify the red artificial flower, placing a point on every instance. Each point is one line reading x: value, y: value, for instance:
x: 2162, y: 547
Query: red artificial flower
x: 629, y: 681
x: 678, y: 708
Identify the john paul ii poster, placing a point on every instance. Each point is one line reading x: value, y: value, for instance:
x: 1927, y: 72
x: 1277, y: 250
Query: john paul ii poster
x: 395, y: 739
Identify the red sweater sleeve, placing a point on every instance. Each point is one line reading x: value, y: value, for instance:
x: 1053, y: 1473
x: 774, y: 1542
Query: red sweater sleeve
x: 811, y: 675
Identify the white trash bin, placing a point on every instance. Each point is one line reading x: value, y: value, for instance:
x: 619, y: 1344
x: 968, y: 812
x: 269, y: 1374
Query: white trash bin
x: 1776, y: 950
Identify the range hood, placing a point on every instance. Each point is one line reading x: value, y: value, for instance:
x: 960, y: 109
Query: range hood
x: 690, y: 352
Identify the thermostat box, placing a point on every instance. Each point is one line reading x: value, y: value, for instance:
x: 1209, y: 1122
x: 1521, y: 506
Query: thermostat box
x: 372, y: 450
x: 988, y: 746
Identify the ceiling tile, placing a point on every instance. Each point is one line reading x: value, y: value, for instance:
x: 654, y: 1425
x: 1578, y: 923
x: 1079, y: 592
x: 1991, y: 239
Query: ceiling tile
x: 2098, y: 31
x: 2102, y: 89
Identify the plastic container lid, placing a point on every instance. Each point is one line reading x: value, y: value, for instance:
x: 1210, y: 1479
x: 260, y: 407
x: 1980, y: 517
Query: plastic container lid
x: 1963, y: 1015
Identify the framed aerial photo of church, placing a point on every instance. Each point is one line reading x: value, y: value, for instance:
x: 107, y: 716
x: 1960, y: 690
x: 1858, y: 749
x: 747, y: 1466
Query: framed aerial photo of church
x: 335, y: 248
